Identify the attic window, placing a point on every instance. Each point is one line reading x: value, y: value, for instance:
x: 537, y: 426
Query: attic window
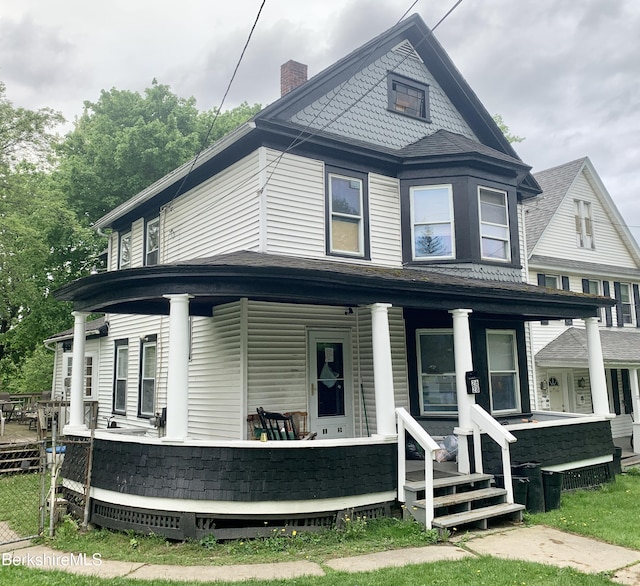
x: 408, y: 97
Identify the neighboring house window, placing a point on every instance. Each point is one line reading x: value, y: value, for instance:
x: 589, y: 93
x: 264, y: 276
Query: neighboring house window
x: 347, y: 214
x: 593, y: 287
x: 125, y: 251
x: 89, y: 376
x: 494, y: 224
x: 408, y: 97
x: 584, y: 224
x: 152, y: 242
x: 121, y: 377
x: 432, y: 223
x: 503, y: 370
x: 436, y: 371
x: 147, y: 389
x: 625, y: 304
x: 549, y: 281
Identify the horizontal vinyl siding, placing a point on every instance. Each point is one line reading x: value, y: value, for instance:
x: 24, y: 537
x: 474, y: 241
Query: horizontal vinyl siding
x: 215, y: 375
x: 384, y: 220
x: 295, y: 216
x: 218, y: 216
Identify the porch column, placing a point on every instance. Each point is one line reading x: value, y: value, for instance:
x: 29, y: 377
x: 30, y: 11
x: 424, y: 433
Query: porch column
x: 76, y: 399
x: 463, y: 363
x: 599, y: 397
x: 382, y: 370
x: 635, y: 401
x: 178, y: 368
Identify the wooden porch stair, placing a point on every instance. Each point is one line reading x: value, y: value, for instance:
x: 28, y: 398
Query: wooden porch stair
x: 460, y: 500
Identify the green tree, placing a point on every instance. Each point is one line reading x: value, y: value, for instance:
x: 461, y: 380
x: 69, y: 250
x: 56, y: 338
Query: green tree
x: 125, y: 141
x: 497, y: 118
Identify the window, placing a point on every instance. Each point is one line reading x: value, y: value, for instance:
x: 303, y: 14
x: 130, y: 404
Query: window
x: 408, y: 97
x: 436, y: 371
x: 494, y: 224
x: 89, y: 376
x: 147, y: 390
x: 503, y: 370
x: 152, y: 242
x: 550, y: 281
x: 125, y: 251
x: 592, y: 287
x: 584, y: 224
x: 625, y: 303
x: 347, y: 205
x: 432, y: 222
x: 121, y: 376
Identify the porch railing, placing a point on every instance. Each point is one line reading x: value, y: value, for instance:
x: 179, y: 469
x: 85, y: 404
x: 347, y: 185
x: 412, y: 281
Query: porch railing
x: 482, y: 422
x: 407, y: 423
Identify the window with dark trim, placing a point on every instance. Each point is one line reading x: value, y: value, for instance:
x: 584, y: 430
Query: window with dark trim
x: 494, y: 224
x: 436, y: 371
x: 432, y: 222
x: 347, y: 213
x: 147, y: 381
x: 124, y: 259
x: 152, y: 242
x: 407, y: 96
x: 120, y: 377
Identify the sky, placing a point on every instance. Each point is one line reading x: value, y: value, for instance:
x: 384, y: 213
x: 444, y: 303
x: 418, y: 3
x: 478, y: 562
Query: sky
x: 563, y: 74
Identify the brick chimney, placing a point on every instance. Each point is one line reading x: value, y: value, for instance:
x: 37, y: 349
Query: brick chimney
x: 292, y: 74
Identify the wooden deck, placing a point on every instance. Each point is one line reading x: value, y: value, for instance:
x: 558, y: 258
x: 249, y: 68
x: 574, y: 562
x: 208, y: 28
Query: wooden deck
x: 15, y: 432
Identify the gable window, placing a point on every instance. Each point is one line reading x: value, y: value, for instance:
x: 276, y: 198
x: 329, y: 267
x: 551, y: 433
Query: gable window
x: 408, y: 97
x: 347, y: 214
x: 584, y: 224
x: 124, y: 262
x: 432, y: 222
x: 121, y: 376
x: 494, y: 224
x: 625, y: 304
x: 147, y: 383
x: 152, y: 242
x: 503, y: 370
x: 436, y: 371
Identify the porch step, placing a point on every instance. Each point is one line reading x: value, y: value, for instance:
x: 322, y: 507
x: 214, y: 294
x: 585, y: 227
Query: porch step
x: 458, y: 498
x: 478, y: 515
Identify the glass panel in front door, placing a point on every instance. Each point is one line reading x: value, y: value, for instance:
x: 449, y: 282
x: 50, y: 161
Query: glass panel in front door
x: 330, y: 376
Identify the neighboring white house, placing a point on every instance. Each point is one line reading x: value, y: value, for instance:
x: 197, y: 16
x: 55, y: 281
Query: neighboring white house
x: 355, y: 248
x: 578, y: 241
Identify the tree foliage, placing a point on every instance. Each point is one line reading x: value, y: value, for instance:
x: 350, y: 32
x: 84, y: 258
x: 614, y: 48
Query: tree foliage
x: 125, y: 141
x: 497, y: 118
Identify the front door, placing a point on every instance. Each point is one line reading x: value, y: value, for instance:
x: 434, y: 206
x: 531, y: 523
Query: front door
x: 330, y: 384
x: 558, y: 395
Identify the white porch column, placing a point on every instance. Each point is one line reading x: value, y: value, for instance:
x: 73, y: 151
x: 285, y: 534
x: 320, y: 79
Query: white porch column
x: 463, y: 363
x: 599, y: 396
x: 178, y: 368
x: 76, y: 400
x: 635, y: 401
x: 382, y: 370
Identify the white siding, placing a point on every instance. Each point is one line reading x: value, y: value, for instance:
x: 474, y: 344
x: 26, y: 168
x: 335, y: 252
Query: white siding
x: 384, y: 220
x: 218, y: 216
x: 559, y: 239
x: 113, y: 251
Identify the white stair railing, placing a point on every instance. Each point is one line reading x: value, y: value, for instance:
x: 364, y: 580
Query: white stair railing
x: 407, y: 423
x: 482, y: 422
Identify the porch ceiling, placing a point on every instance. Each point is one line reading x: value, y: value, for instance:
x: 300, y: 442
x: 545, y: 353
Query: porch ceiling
x: 221, y: 279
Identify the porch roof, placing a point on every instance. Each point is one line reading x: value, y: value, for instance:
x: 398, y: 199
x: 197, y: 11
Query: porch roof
x: 570, y: 348
x: 266, y: 277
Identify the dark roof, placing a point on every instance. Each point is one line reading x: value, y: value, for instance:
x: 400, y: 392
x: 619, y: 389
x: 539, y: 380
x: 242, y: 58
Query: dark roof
x: 570, y: 347
x: 94, y: 327
x: 225, y: 278
x: 582, y: 267
x: 555, y: 183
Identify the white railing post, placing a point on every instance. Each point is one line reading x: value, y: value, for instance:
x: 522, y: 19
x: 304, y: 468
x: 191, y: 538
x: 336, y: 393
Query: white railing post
x: 402, y: 461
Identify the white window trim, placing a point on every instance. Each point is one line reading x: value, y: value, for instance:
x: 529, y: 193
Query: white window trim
x: 360, y: 218
x: 118, y: 349
x: 428, y: 331
x: 514, y: 341
x: 631, y: 305
x: 147, y: 251
x: 67, y: 359
x: 450, y: 222
x: 583, y: 211
x: 142, y: 378
x: 598, y: 292
x: 121, y: 264
x: 508, y: 224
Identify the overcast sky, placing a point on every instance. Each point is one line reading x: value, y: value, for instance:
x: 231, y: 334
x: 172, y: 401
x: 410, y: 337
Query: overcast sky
x: 565, y: 74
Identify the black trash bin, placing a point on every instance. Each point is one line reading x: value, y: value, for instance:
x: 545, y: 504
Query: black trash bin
x: 520, y: 487
x: 552, y: 486
x: 616, y: 464
x: 535, y: 491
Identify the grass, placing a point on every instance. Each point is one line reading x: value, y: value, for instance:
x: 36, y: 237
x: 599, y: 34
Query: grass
x: 476, y: 570
x: 20, y: 502
x: 608, y: 513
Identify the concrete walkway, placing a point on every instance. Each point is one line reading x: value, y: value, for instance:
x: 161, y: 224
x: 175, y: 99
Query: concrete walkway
x: 535, y: 544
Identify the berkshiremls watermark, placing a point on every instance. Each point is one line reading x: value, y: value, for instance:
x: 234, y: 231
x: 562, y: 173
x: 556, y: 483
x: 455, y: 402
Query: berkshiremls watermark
x: 46, y: 560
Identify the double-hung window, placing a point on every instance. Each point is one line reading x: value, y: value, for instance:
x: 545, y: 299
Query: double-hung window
x: 625, y: 303
x: 503, y: 370
x: 593, y: 287
x: 494, y: 224
x: 584, y: 224
x: 347, y: 214
x: 436, y: 371
x: 124, y: 262
x: 147, y: 388
x: 89, y: 374
x: 432, y: 225
x: 152, y: 242
x: 121, y: 377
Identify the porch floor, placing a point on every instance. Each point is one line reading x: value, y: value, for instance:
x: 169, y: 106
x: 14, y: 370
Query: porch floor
x: 415, y: 470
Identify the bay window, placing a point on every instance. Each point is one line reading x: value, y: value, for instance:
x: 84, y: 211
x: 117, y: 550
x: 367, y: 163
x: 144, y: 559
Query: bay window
x: 432, y: 225
x: 494, y: 224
